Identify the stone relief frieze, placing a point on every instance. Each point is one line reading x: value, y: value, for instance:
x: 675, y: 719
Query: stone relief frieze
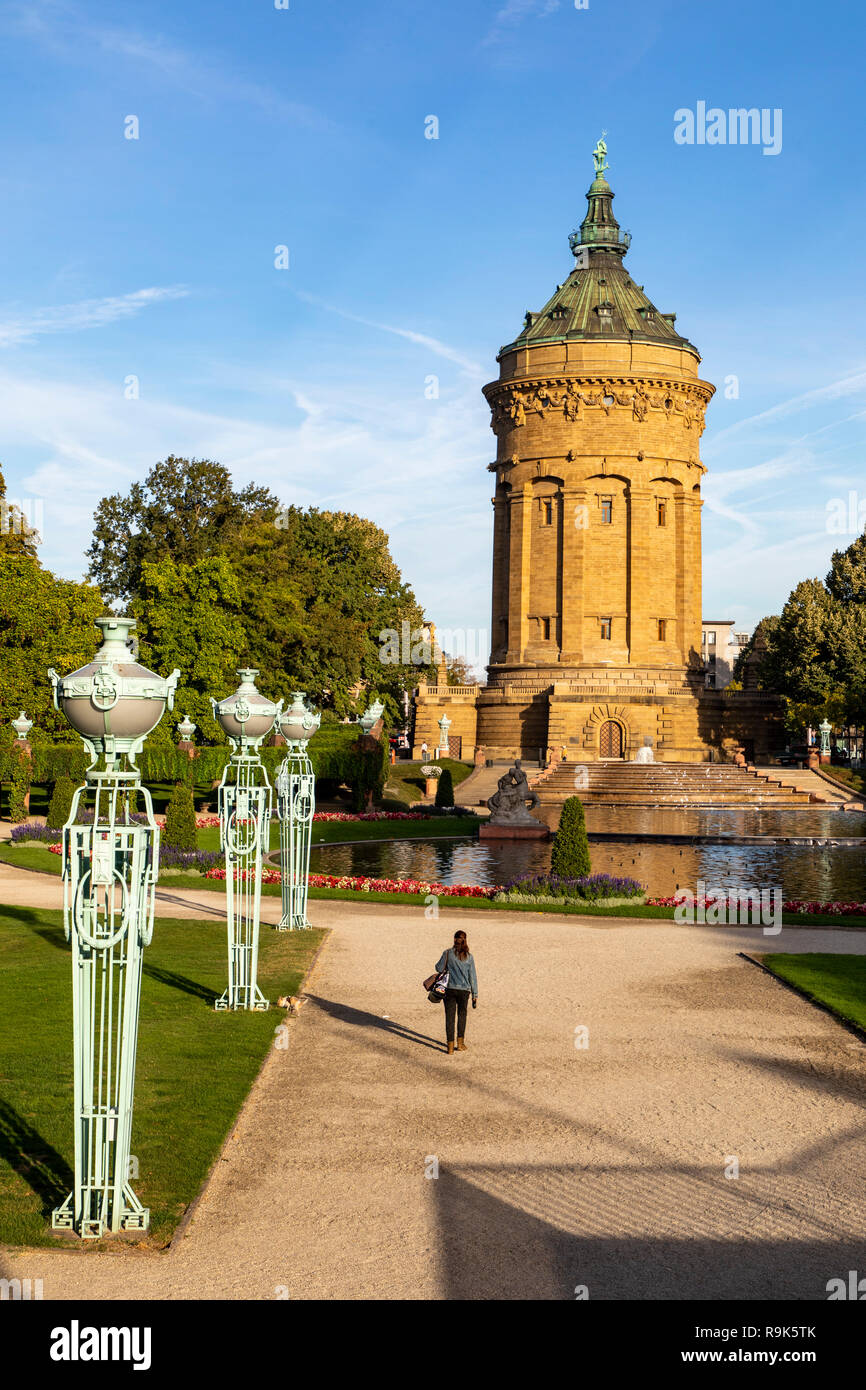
x: 511, y: 406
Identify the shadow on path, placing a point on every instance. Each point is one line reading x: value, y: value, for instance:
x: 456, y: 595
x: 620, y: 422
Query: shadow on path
x: 219, y: 911
x: 346, y: 1014
x: 505, y: 1234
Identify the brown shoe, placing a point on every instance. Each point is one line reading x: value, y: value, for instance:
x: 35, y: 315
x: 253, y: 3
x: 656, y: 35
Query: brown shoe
x: 450, y: 1048
x: 461, y: 1045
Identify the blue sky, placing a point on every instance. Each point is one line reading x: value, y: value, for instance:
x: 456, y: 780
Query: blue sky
x: 411, y: 257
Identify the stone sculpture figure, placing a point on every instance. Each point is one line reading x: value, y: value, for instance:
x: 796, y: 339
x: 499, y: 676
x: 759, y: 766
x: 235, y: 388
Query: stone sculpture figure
x: 507, y: 805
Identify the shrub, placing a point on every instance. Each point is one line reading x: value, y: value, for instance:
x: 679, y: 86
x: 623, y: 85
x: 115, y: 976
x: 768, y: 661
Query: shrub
x: 570, y: 854
x: 19, y: 787
x: 60, y: 805
x: 180, y: 832
x: 589, y: 888
x: 445, y: 789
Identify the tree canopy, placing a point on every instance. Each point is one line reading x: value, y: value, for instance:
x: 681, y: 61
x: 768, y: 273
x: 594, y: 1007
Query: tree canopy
x: 220, y: 578
x: 44, y: 621
x: 814, y: 652
x: 185, y: 508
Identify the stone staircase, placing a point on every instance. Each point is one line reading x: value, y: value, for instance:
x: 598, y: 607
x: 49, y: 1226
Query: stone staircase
x: 664, y: 784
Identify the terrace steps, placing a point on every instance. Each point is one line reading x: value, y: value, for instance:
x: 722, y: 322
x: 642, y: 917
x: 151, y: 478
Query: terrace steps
x: 665, y: 784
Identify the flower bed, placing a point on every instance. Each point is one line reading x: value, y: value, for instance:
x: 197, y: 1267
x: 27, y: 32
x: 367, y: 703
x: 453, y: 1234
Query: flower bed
x: 358, y: 884
x: 368, y: 815
x: 31, y: 831
x: 831, y: 909
x: 550, y: 888
x: 268, y: 875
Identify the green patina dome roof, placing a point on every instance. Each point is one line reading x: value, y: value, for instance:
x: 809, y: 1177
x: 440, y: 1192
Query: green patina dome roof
x: 599, y: 299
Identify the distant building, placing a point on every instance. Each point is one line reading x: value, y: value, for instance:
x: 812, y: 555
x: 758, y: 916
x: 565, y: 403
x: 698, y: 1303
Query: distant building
x: 720, y: 647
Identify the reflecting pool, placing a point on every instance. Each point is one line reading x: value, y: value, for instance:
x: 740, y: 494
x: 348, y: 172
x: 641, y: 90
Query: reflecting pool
x: 800, y: 871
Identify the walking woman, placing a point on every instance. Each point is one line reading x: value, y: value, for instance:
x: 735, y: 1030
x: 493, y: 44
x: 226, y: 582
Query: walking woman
x: 462, y: 981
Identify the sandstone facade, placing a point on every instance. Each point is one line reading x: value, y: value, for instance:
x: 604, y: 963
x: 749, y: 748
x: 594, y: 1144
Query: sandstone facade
x: 598, y: 413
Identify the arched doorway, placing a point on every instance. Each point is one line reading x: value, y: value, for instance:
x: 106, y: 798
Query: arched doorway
x: 610, y: 740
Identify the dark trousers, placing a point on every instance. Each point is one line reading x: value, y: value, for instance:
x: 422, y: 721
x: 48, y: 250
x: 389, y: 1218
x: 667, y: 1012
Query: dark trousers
x: 456, y: 1003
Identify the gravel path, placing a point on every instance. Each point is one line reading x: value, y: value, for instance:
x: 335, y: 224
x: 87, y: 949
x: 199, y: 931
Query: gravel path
x: 558, y: 1167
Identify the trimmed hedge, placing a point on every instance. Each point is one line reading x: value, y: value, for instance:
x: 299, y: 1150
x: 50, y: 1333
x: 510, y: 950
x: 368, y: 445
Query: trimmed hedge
x: 336, y: 752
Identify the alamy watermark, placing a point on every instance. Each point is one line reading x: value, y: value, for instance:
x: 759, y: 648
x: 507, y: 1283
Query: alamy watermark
x: 718, y: 907
x: 417, y: 647
x: 846, y: 517
x: 734, y: 126
x: 19, y: 516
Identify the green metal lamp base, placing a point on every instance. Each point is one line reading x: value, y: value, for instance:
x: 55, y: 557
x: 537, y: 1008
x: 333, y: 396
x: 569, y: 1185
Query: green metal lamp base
x: 294, y: 921
x: 131, y: 1216
x: 256, y: 1000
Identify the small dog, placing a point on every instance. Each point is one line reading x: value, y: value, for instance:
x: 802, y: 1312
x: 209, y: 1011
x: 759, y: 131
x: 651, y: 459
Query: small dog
x: 292, y: 1002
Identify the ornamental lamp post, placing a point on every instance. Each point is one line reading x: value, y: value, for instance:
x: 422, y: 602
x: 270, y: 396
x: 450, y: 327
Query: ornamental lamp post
x: 110, y: 869
x: 824, y: 729
x: 296, y: 804
x: 245, y: 809
x: 444, y: 725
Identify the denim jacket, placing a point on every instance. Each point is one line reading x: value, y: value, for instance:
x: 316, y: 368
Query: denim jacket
x: 461, y: 973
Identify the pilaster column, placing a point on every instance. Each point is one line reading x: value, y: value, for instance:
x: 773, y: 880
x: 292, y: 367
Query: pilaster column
x: 640, y: 519
x: 499, y: 609
x: 519, y: 557
x: 575, y: 521
x: 688, y: 519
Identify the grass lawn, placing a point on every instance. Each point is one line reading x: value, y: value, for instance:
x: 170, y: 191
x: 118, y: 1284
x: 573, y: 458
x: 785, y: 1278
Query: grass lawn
x: 838, y: 982
x: 850, y: 776
x: 405, y: 783
x: 195, y: 1066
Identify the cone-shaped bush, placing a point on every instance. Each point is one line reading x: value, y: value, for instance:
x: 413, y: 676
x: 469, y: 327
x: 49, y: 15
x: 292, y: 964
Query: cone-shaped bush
x: 570, y: 854
x: 445, y: 789
x: 61, y: 802
x: 180, y: 832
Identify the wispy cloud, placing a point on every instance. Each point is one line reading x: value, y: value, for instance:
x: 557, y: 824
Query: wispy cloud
x: 65, y: 30
x: 87, y: 313
x: 404, y: 464
x: 514, y: 12
x: 434, y: 345
x: 833, y: 391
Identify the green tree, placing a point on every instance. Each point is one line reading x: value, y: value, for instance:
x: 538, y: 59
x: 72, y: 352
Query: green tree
x: 44, y: 621
x: 185, y: 508
x: 319, y: 589
x: 180, y: 830
x: 190, y: 616
x: 569, y: 857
